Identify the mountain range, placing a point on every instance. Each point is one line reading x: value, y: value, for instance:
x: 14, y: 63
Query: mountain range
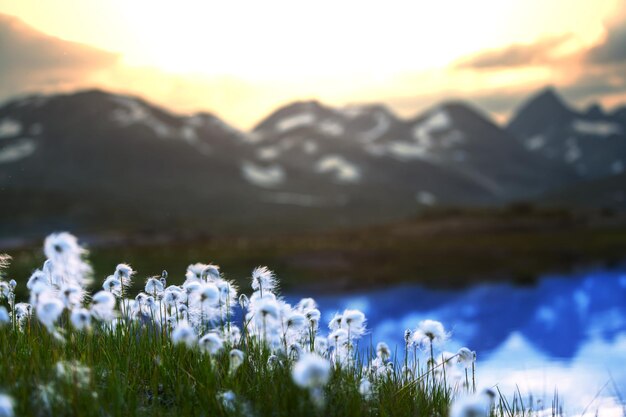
x: 93, y: 161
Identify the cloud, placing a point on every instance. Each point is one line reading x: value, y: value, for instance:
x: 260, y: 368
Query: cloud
x: 540, y: 52
x: 613, y: 48
x: 32, y: 61
x: 583, y: 76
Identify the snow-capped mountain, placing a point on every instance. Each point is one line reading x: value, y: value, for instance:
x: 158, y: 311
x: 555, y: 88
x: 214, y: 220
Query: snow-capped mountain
x: 593, y: 142
x: 94, y: 161
x: 352, y: 145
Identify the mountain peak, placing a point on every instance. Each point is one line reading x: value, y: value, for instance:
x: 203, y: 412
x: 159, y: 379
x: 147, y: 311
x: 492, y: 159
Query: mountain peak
x: 548, y: 98
x: 306, y: 110
x: 595, y: 110
x: 465, y: 112
x: 539, y: 112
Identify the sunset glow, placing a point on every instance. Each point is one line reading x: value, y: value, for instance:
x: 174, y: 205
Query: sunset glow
x: 242, y: 59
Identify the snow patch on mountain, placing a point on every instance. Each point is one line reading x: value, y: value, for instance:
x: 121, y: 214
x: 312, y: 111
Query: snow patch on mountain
x: 268, y: 153
x: 352, y: 112
x: 331, y: 128
x: 383, y: 123
x: 426, y: 198
x: 303, y: 200
x: 263, y: 176
x: 438, y: 121
x: 21, y: 149
x: 295, y: 121
x: 132, y: 112
x: 9, y: 128
x: 189, y: 135
x: 596, y: 127
x: 407, y: 150
x: 572, y: 150
x: 534, y: 143
x: 342, y: 170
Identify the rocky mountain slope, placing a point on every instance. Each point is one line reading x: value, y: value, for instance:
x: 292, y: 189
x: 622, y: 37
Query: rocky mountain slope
x: 93, y: 161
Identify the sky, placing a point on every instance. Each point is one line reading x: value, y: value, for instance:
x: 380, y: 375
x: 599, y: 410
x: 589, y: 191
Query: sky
x: 243, y: 59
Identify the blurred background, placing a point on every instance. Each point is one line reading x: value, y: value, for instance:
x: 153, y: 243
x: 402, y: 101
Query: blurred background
x: 471, y: 154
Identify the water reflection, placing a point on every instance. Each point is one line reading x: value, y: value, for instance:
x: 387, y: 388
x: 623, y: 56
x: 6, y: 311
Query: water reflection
x: 566, y: 333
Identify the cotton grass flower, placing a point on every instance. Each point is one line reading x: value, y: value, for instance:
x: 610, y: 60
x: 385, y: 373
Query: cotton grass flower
x: 5, y: 290
x: 71, y: 295
x: 113, y: 285
x: 263, y: 279
x: 466, y: 357
x: 211, y: 343
x: 244, y: 301
x: 103, y: 306
x: 49, y: 309
x: 313, y: 373
x: 23, y: 311
x: 338, y: 337
x: 306, y: 304
x: 58, y: 245
x: 184, y: 334
x: 37, y: 278
x: 430, y: 332
x: 81, y: 319
x: 295, y: 321
x: 335, y: 322
x: 267, y: 308
x: 154, y: 286
x: 6, y: 406
x: 65, y: 261
x: 211, y: 272
x: 209, y: 294
x: 365, y: 388
x: 172, y: 296
x: 228, y: 399
x: 124, y: 273
x: 235, y: 360
x: 194, y: 272
x: 313, y: 316
x: 383, y: 351
x: 354, y: 322
x: 232, y: 335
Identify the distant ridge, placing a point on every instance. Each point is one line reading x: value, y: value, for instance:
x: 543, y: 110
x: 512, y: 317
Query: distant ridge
x: 94, y: 161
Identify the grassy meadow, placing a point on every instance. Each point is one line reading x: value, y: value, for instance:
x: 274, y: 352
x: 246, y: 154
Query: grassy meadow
x: 206, y: 347
x: 85, y: 335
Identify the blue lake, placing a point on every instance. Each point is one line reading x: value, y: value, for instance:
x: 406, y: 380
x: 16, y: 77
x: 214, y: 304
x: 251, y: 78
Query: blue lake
x: 566, y: 333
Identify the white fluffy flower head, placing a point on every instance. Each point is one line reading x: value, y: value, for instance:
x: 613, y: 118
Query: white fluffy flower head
x: 211, y: 343
x: 263, y: 279
x: 311, y: 371
x: 184, y: 334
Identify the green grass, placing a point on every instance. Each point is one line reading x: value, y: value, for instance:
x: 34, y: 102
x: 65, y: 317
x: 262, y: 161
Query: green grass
x: 136, y: 373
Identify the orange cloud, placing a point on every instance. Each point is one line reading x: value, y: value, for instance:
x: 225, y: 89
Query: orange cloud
x: 34, y: 62
x: 541, y: 52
